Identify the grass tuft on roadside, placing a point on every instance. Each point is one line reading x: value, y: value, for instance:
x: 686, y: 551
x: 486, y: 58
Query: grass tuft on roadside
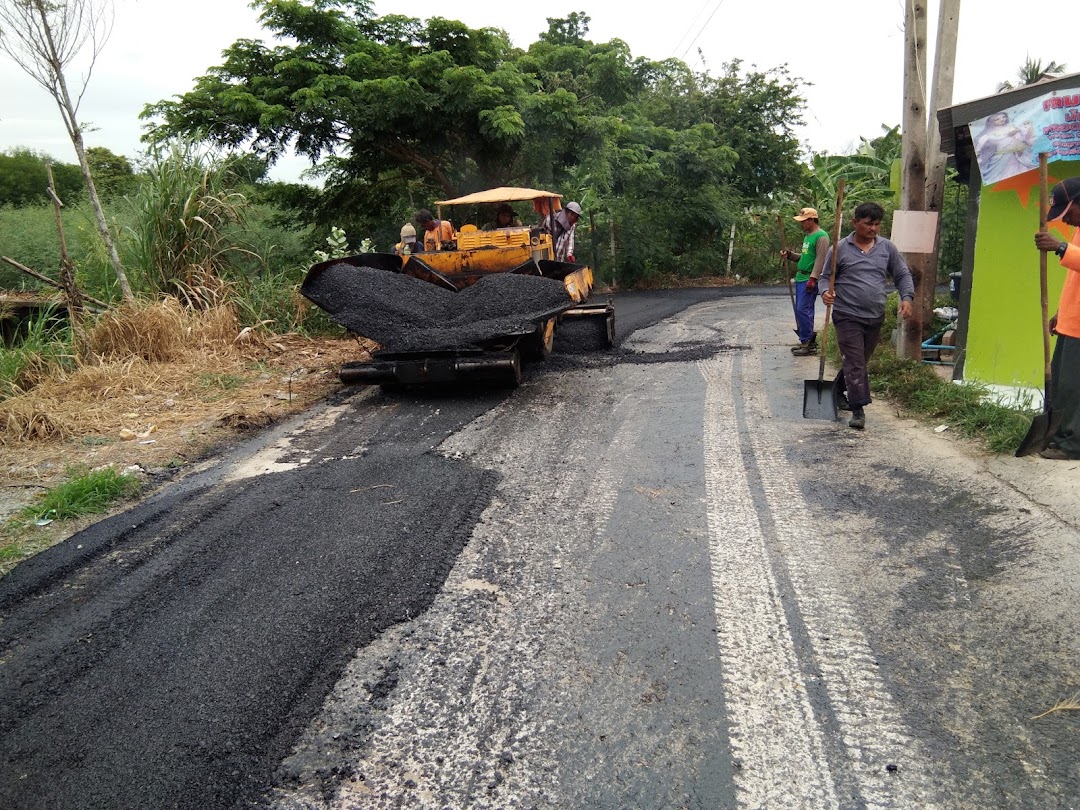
x: 967, y: 408
x: 84, y: 492
x: 913, y: 387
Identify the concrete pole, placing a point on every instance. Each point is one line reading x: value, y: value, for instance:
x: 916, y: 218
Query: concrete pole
x: 941, y: 94
x: 730, y: 248
x: 913, y: 160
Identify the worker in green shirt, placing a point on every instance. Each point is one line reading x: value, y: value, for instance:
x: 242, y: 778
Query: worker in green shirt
x: 810, y: 261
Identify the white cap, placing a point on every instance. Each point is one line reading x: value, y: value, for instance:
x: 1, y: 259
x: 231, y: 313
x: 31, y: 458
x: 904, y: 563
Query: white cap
x: 573, y: 206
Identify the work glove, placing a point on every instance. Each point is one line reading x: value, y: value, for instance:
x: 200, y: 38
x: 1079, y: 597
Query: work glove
x: 571, y: 259
x: 811, y: 285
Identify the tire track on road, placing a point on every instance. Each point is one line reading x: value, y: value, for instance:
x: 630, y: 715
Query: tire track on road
x: 777, y: 742
x: 882, y: 763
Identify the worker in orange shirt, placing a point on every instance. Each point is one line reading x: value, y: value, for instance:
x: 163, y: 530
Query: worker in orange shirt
x: 437, y: 232
x: 1064, y: 390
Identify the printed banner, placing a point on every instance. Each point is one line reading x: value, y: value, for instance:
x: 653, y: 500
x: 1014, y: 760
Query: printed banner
x: 1008, y: 143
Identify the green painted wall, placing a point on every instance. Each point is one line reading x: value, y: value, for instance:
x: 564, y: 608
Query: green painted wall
x: 1004, y: 340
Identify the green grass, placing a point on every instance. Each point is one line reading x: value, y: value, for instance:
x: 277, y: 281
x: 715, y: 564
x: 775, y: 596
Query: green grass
x: 222, y: 382
x: 43, y: 345
x: 915, y: 389
x: 86, y: 492
x: 967, y: 408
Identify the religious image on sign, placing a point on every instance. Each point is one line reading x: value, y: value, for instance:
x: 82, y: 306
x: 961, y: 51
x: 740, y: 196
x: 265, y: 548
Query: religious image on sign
x: 1007, y: 143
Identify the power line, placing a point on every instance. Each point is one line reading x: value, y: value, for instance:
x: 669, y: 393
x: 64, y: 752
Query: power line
x: 702, y: 29
x: 690, y: 27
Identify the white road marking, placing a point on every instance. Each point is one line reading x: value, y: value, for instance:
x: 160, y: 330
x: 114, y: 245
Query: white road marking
x: 873, y: 734
x: 776, y: 740
x: 874, y: 737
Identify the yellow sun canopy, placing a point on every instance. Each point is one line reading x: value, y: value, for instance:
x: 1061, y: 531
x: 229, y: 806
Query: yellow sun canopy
x: 503, y: 194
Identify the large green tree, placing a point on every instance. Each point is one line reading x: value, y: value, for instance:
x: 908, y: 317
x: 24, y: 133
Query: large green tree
x: 396, y: 112
x: 380, y: 97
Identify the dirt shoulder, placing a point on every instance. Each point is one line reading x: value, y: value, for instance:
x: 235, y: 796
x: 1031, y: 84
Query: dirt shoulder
x: 153, y: 419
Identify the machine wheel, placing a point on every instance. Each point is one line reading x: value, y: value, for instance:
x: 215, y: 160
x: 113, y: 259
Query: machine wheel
x: 538, y: 345
x: 610, y: 330
x: 513, y: 372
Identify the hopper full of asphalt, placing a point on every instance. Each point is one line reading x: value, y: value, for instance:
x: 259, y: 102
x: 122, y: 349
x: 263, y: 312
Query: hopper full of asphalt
x: 405, y: 314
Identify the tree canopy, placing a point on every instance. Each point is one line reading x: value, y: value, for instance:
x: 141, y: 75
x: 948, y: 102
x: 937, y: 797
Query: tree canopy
x: 24, y: 179
x: 395, y: 112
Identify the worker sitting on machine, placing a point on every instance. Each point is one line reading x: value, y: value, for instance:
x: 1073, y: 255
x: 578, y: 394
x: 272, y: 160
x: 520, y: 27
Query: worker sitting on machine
x: 407, y: 245
x: 438, y: 233
x: 504, y: 218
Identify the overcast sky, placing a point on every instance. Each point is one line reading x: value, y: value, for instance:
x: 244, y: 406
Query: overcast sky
x: 851, y: 53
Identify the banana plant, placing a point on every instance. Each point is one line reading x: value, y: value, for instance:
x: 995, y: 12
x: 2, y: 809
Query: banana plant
x: 871, y: 173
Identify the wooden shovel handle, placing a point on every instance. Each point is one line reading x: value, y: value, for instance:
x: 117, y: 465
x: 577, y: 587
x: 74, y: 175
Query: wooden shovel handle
x: 832, y: 278
x: 1043, y: 206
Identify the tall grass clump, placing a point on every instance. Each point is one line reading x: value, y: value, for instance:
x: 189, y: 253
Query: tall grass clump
x: 181, y: 240
x: 85, y: 492
x: 160, y: 331
x: 41, y: 347
x: 27, y: 235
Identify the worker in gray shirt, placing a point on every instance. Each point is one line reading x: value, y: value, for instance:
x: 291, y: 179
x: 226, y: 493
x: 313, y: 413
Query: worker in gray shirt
x: 864, y: 261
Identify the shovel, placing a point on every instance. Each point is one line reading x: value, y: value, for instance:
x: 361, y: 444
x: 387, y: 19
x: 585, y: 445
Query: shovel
x: 784, y: 267
x: 819, y: 401
x: 1045, y: 425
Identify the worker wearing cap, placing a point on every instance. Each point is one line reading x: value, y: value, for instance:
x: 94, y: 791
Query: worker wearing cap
x: 1064, y: 390
x: 437, y: 232
x: 864, y: 263
x: 810, y: 261
x: 565, y: 223
x: 407, y: 245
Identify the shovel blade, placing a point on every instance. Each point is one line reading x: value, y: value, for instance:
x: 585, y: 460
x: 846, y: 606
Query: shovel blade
x: 1042, y: 429
x: 818, y: 400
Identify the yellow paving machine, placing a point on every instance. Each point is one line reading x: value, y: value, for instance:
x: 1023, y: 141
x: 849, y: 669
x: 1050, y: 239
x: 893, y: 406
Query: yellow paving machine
x: 470, y: 308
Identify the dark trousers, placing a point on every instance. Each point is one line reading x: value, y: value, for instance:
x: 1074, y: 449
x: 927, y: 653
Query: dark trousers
x: 1065, y: 395
x: 857, y: 339
x: 804, y: 310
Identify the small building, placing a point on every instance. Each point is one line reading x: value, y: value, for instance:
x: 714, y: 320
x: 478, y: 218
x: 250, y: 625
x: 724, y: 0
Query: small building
x: 994, y: 143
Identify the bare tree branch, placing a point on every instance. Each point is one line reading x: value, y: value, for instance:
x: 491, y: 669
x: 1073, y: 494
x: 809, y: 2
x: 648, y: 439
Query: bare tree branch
x: 44, y: 37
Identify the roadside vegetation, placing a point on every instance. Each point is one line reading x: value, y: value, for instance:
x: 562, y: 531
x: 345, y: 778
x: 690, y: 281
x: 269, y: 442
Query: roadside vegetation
x: 915, y: 389
x: 84, y: 492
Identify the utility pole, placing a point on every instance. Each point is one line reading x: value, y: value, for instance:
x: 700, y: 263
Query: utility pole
x: 940, y: 96
x: 913, y: 162
x: 923, y: 163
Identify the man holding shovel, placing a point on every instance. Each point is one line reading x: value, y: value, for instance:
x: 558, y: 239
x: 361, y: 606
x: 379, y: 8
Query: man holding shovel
x: 1064, y: 390
x: 814, y: 247
x: 864, y: 261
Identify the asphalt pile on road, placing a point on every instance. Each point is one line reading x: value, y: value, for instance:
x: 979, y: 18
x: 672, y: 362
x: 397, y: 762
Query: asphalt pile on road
x: 405, y: 314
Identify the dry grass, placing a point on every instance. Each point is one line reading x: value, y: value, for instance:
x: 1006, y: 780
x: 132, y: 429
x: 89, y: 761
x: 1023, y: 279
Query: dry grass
x: 1071, y: 704
x: 160, y: 386
x: 160, y: 332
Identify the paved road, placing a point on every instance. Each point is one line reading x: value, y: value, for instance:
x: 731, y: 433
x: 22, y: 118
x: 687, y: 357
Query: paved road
x: 640, y: 580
